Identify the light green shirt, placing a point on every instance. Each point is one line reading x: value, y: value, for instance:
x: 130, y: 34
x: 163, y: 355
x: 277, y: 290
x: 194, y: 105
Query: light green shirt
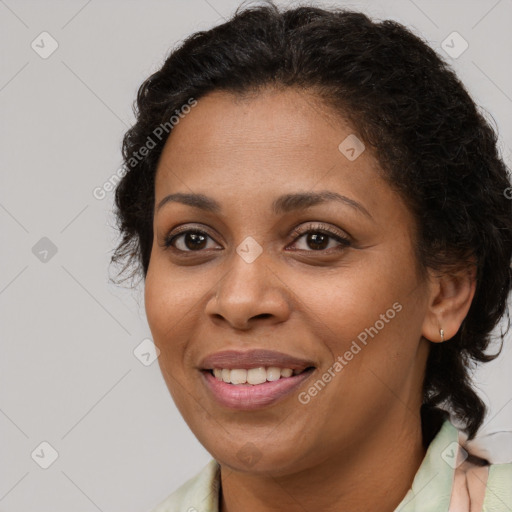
x: 430, y: 492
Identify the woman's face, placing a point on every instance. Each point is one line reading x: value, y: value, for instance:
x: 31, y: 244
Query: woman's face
x: 345, y: 299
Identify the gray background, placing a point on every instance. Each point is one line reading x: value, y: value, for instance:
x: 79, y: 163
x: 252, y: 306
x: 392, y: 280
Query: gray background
x: 68, y: 372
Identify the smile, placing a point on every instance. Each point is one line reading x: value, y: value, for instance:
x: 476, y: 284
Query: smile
x: 253, y: 376
x: 257, y: 393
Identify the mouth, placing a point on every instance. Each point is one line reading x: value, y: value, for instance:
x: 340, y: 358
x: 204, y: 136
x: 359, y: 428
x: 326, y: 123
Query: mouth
x: 255, y: 388
x: 255, y: 376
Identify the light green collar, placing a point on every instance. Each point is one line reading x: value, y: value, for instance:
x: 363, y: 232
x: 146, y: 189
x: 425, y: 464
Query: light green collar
x: 432, y: 485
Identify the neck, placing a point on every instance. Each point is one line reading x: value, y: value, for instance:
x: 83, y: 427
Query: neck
x: 374, y: 475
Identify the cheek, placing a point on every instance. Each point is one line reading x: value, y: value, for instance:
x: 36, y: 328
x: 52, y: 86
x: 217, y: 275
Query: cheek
x: 370, y: 315
x: 346, y: 302
x: 167, y: 302
x: 166, y: 312
x: 375, y: 356
x: 171, y: 296
x: 175, y: 299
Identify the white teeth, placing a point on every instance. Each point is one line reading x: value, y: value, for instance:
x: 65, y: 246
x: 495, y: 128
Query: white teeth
x: 238, y: 376
x: 286, y: 372
x: 255, y: 375
x: 252, y: 376
x: 273, y: 373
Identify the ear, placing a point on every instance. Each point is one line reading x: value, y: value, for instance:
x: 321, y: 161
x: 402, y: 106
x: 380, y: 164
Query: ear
x: 450, y: 298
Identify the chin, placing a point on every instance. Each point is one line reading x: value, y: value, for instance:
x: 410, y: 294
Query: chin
x: 265, y: 456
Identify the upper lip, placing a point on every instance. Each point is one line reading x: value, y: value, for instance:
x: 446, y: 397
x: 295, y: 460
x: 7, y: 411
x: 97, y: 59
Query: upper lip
x: 254, y: 358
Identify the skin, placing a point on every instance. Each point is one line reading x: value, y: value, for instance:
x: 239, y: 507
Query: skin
x: 357, y: 444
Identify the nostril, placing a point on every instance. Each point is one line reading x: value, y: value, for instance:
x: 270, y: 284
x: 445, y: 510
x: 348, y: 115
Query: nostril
x: 263, y: 315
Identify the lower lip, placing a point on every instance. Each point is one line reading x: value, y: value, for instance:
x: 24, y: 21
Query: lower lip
x: 250, y: 397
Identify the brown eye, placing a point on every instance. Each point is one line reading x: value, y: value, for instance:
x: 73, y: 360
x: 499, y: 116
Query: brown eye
x: 194, y: 241
x: 317, y: 241
x: 317, y: 238
x: 188, y: 241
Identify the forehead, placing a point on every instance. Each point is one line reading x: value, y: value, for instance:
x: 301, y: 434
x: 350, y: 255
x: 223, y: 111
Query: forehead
x: 254, y: 115
x: 267, y: 135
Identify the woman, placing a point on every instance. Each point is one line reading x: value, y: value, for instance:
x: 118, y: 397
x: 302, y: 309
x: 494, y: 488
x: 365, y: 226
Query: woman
x: 325, y: 241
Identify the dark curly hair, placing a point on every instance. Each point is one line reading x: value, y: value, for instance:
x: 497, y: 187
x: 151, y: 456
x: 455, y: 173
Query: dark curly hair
x: 404, y: 102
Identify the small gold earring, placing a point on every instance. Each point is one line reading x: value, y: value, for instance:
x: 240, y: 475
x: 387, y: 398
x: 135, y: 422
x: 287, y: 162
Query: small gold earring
x: 441, y: 332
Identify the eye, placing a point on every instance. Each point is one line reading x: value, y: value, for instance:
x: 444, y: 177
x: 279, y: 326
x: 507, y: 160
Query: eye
x: 319, y: 236
x: 190, y: 240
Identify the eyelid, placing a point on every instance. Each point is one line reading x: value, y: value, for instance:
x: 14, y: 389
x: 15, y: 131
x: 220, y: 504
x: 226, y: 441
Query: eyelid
x: 319, y: 226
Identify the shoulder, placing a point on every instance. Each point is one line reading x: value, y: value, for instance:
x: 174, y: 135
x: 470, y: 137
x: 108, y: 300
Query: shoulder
x: 199, y: 493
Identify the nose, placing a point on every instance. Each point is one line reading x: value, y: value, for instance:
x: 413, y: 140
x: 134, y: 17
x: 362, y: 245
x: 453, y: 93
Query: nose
x: 249, y: 294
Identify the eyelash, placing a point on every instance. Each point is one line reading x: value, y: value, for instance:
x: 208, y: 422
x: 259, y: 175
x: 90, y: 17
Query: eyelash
x: 316, y: 228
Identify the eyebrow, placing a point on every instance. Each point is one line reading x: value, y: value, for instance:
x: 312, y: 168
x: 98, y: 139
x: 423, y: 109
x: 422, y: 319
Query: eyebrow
x: 283, y: 204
